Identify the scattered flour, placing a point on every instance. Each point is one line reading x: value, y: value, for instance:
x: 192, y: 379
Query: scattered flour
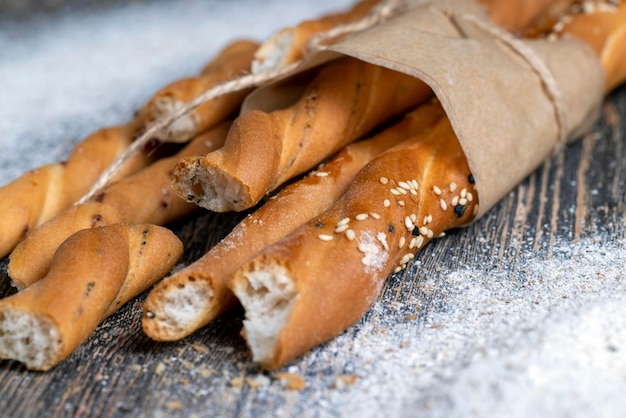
x: 555, y: 346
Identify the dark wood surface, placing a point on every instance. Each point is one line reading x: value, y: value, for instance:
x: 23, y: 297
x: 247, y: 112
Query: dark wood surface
x: 575, y: 197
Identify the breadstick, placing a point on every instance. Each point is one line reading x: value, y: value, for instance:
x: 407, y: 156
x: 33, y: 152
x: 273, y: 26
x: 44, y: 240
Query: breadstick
x: 603, y: 28
x: 289, y: 44
x: 40, y: 194
x: 195, y: 295
x: 234, y: 60
x: 144, y: 197
x: 525, y: 15
x: 93, y: 273
x: 323, y: 277
x: 345, y: 100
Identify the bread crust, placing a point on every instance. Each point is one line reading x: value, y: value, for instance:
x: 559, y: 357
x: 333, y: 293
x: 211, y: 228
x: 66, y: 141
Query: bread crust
x: 345, y: 100
x: 144, y: 197
x: 39, y: 194
x: 231, y: 62
x: 93, y: 273
x: 334, y: 277
x: 290, y: 44
x: 195, y: 295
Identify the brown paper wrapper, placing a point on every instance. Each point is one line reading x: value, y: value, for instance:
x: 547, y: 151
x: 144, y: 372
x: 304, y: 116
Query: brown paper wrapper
x: 495, y: 94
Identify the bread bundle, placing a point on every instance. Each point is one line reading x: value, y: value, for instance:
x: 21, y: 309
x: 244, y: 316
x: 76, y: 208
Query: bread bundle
x: 362, y: 164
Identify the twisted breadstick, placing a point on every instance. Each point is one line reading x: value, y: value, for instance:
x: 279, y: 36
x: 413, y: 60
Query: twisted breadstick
x: 603, y: 28
x: 525, y: 15
x: 233, y: 61
x: 195, y: 295
x: 93, y: 273
x: 323, y: 277
x: 345, y: 100
x: 144, y: 197
x: 39, y: 194
x: 289, y: 44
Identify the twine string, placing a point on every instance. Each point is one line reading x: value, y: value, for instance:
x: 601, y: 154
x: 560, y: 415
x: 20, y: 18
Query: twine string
x: 381, y: 12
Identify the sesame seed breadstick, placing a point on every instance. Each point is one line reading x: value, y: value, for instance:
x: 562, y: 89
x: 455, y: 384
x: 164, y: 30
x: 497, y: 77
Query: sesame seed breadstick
x: 144, y: 197
x: 41, y: 193
x: 603, y: 27
x: 344, y: 101
x: 93, y: 273
x: 316, y: 282
x: 289, y: 44
x: 233, y: 61
x: 195, y: 295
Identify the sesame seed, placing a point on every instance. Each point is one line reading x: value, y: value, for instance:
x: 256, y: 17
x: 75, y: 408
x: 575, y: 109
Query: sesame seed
x: 413, y: 243
x: 414, y: 192
x: 443, y: 205
x: 441, y: 234
x: 423, y: 230
x: 382, y: 238
x: 414, y: 183
x: 425, y: 222
x: 404, y: 185
x: 437, y: 190
x: 321, y: 174
x: 386, y: 203
x: 408, y: 223
x: 350, y: 234
x: 394, y: 191
x: 430, y: 233
x: 452, y: 186
x: 413, y: 218
x: 400, y: 202
x: 384, y: 180
x: 374, y: 215
x: 325, y: 237
x: 344, y: 221
x: 430, y: 218
x: 463, y: 192
x: 401, y: 190
x: 420, y: 242
x: 361, y: 216
x: 401, y: 242
x: 397, y: 269
x: 469, y: 197
x: 475, y: 211
x: 341, y: 228
x: 455, y: 201
x: 463, y: 201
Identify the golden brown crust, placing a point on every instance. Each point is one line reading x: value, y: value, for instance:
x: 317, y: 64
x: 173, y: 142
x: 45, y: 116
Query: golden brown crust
x: 40, y: 194
x: 344, y: 101
x: 333, y: 267
x: 144, y: 197
x: 93, y: 273
x: 290, y: 44
x: 232, y: 62
x: 604, y: 30
x: 195, y: 295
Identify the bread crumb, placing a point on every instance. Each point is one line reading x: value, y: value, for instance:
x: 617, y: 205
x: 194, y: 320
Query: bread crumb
x: 200, y: 348
x: 258, y: 381
x: 175, y: 405
x: 236, y: 382
x: 344, y: 380
x: 291, y: 381
x: 160, y: 368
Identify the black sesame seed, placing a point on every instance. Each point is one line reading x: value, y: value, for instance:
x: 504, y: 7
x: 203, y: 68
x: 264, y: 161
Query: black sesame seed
x: 416, y: 231
x: 319, y: 224
x: 390, y: 228
x: 459, y: 210
x: 470, y: 178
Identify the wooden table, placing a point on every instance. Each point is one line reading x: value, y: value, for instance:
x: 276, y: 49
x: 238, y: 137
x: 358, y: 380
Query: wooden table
x: 576, y: 197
